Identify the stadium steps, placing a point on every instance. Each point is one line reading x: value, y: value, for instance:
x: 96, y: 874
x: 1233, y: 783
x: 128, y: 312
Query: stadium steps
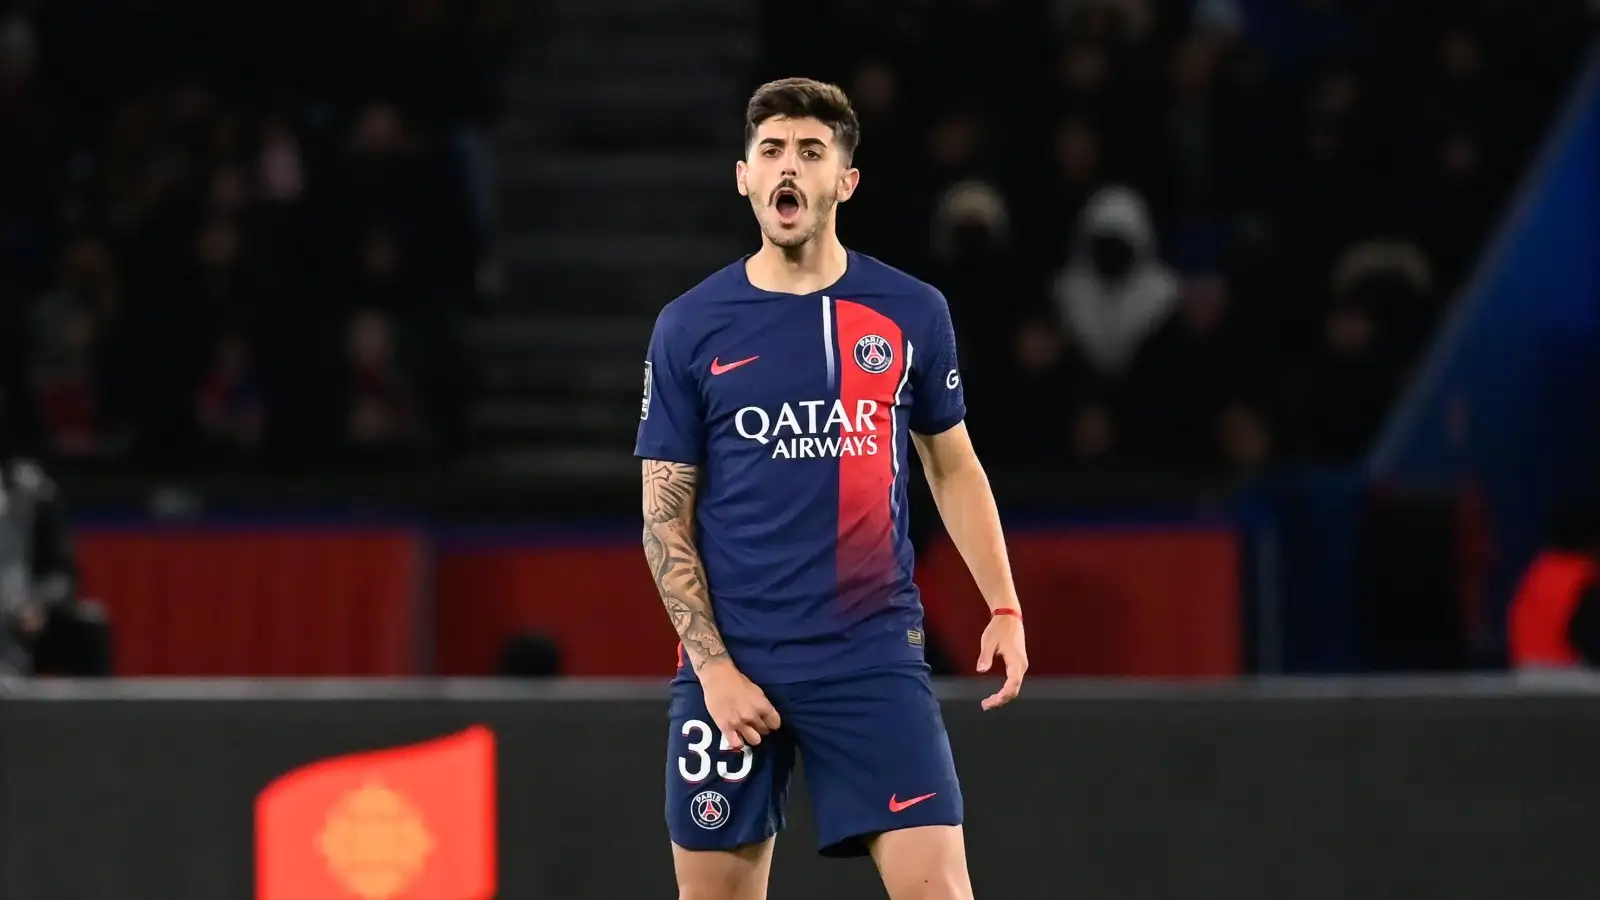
x: 683, y: 193
x: 549, y: 355
x: 615, y: 194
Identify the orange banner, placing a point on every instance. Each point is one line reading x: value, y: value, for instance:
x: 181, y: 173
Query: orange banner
x: 407, y: 823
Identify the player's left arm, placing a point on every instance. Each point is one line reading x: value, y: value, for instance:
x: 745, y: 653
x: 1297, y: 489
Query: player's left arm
x: 965, y: 500
x: 966, y: 504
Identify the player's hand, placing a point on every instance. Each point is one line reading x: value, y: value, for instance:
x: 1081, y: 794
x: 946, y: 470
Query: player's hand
x: 1004, y: 638
x: 739, y: 708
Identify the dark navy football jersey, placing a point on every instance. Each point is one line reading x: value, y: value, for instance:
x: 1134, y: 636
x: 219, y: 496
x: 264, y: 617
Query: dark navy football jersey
x: 798, y: 408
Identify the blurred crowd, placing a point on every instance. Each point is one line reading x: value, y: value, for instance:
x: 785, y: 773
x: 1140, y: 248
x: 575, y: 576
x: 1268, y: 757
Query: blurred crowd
x: 241, y: 233
x: 1205, y: 235
x: 1188, y: 234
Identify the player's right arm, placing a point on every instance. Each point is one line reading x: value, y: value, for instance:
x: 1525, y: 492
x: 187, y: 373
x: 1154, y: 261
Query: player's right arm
x: 671, y: 444
x: 669, y: 496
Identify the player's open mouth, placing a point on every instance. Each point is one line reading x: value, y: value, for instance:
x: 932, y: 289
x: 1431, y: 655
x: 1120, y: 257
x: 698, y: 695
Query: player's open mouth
x: 787, y: 203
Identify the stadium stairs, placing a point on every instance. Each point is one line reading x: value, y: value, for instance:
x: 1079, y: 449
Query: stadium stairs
x: 615, y: 194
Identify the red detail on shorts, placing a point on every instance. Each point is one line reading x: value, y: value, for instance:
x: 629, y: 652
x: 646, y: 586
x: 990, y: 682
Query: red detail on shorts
x: 866, y: 553
x: 896, y: 805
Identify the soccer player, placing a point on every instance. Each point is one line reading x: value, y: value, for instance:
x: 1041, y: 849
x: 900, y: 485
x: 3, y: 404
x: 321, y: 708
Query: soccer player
x: 781, y: 398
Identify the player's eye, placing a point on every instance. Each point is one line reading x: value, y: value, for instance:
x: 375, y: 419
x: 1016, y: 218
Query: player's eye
x: 813, y: 154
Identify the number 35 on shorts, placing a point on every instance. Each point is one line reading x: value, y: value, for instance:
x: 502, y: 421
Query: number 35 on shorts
x: 698, y: 762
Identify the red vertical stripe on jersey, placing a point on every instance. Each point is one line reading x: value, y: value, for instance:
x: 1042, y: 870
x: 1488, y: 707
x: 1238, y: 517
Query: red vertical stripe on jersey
x: 866, y: 558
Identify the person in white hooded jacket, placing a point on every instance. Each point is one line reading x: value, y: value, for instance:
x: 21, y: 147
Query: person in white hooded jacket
x: 1114, y: 291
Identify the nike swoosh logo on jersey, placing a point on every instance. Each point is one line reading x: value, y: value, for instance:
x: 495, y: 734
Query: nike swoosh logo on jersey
x: 902, y: 805
x: 718, y: 368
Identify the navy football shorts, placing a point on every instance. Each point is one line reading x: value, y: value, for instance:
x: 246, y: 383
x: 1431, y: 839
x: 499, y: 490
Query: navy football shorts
x: 876, y: 755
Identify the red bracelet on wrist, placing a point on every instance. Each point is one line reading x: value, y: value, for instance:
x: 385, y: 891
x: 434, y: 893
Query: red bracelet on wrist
x: 1006, y: 611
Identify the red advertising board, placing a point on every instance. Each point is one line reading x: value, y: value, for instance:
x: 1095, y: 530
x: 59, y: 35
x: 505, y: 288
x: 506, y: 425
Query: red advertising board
x: 270, y: 602
x: 1146, y: 602
x: 597, y: 602
x: 346, y: 602
x: 1149, y: 602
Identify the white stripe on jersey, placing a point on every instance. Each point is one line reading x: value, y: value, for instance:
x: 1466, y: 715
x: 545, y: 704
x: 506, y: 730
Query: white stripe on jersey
x: 827, y: 335
x: 894, y: 430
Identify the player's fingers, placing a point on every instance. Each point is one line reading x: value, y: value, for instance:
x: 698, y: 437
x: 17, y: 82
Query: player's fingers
x: 1013, y: 686
x: 734, y: 738
x: 751, y: 735
x: 770, y: 718
x: 1009, y: 691
x: 1000, y: 698
x: 985, y: 655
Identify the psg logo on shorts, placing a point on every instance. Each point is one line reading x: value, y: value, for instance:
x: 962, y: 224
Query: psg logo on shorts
x: 710, y: 810
x: 874, y: 355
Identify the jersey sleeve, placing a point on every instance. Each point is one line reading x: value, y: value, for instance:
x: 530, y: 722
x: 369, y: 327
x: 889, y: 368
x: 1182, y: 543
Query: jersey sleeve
x: 939, y: 402
x: 670, y: 418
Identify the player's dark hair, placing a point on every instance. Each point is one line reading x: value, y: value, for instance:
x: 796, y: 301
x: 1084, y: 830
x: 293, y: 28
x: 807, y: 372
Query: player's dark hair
x: 805, y: 98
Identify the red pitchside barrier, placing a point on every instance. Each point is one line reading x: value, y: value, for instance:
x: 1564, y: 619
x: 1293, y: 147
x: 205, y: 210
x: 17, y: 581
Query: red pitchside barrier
x: 273, y: 602
x: 345, y: 602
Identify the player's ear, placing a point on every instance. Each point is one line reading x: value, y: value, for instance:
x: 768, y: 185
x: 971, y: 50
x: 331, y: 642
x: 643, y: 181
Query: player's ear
x: 848, y: 179
x: 738, y: 176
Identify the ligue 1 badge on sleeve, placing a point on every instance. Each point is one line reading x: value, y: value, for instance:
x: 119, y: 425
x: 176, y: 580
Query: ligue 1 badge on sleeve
x: 644, y: 405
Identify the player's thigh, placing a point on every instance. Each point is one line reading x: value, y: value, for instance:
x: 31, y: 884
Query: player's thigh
x: 877, y: 758
x: 738, y: 874
x: 924, y: 863
x: 716, y: 798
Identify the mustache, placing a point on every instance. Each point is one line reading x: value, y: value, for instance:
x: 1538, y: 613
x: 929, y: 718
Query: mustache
x: 785, y: 186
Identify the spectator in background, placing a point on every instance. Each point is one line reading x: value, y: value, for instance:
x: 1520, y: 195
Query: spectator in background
x: 383, y: 419
x: 1195, y: 389
x: 43, y: 624
x: 877, y: 221
x: 280, y: 167
x: 75, y: 369
x: 1114, y: 291
x: 1461, y: 194
x: 976, y: 268
x: 230, y: 405
x: 1071, y: 171
x: 239, y: 204
x: 26, y: 130
x: 1395, y: 280
x: 1346, y: 384
x: 1078, y: 170
x: 381, y: 281
x: 1266, y: 142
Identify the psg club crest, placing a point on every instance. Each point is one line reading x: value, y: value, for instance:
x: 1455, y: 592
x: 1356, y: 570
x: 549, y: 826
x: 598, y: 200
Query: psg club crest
x: 710, y: 810
x: 874, y: 355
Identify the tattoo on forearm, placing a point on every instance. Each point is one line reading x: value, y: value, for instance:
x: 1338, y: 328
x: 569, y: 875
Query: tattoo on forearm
x: 669, y: 494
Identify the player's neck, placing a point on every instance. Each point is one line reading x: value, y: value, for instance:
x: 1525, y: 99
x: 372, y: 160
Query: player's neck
x: 806, y: 269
